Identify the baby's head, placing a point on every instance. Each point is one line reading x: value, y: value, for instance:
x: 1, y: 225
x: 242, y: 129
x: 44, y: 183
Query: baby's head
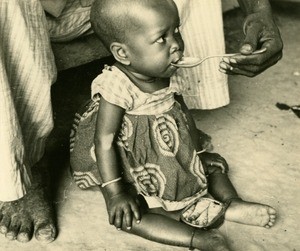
x: 109, y: 20
x: 142, y: 35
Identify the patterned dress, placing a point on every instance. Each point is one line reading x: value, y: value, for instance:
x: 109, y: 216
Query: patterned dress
x: 154, y: 142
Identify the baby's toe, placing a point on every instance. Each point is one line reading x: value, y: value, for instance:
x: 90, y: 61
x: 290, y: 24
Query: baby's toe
x: 270, y: 223
x: 271, y: 211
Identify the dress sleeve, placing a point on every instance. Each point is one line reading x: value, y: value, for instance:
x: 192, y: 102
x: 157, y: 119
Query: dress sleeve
x: 113, y: 88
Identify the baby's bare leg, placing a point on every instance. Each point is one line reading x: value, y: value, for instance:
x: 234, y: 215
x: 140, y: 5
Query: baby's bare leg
x: 244, y: 212
x: 165, y: 230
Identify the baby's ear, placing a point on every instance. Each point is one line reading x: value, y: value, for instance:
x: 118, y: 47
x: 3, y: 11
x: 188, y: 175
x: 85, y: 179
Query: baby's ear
x: 119, y: 52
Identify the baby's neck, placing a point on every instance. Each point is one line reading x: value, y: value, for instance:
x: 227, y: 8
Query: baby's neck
x: 145, y: 83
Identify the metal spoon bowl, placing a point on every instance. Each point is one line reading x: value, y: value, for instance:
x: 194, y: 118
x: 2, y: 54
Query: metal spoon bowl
x: 187, y: 62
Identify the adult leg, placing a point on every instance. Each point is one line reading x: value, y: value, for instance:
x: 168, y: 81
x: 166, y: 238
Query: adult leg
x: 27, y: 71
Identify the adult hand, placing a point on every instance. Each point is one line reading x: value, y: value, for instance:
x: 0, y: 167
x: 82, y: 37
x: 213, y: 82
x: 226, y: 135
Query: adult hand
x: 121, y: 208
x: 260, y: 32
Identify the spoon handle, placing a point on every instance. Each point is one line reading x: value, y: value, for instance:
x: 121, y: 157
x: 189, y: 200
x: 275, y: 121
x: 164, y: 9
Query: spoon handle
x: 215, y: 56
x: 231, y: 55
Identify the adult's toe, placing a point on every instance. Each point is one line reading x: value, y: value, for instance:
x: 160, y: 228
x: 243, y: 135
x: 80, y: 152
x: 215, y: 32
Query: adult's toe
x: 25, y: 233
x: 45, y: 232
x: 13, y: 229
x: 4, y: 224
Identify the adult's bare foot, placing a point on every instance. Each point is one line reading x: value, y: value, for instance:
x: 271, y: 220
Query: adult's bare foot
x: 251, y: 213
x: 30, y: 215
x: 15, y: 222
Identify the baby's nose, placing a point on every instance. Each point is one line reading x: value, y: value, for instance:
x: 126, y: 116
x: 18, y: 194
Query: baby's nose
x: 175, y: 47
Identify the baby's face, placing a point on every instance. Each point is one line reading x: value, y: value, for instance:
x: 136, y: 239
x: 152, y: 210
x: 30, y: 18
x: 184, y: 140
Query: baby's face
x: 155, y: 41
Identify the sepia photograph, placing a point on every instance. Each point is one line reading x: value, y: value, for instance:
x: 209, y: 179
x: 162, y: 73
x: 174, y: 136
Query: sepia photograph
x: 159, y: 125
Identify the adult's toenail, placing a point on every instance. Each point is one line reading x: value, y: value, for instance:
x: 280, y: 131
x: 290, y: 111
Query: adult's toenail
x: 45, y: 233
x: 11, y: 236
x: 23, y: 237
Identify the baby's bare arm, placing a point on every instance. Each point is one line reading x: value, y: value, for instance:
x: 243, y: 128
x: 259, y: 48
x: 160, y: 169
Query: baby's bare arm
x: 120, y: 204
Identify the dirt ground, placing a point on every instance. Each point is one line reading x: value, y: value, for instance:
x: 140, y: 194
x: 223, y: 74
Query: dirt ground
x: 259, y: 141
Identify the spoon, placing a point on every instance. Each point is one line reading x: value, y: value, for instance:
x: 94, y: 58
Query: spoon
x: 187, y: 62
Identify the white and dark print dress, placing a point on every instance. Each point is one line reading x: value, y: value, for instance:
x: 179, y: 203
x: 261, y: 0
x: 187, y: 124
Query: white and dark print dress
x: 154, y: 143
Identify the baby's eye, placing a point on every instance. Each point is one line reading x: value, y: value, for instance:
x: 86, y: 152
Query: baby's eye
x: 160, y: 40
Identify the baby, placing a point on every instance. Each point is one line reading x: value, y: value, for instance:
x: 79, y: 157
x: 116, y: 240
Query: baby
x: 141, y: 138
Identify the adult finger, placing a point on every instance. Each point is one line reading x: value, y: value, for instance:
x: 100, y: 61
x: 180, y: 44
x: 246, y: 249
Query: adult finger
x: 251, y: 39
x: 251, y: 70
x: 233, y: 70
x: 237, y: 70
x: 267, y: 58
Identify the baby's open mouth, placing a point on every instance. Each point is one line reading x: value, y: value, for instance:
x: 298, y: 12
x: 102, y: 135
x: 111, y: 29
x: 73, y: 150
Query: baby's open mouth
x: 176, y: 61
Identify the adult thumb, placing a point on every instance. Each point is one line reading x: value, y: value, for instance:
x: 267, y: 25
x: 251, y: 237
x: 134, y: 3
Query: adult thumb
x: 251, y: 39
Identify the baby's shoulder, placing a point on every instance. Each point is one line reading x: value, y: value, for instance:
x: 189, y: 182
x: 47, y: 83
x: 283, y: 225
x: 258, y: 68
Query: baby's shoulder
x: 112, y: 79
x: 114, y: 87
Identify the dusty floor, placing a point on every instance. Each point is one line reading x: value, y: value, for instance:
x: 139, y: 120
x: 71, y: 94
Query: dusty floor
x: 259, y: 141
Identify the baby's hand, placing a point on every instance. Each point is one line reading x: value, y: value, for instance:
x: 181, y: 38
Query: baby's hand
x: 214, y: 159
x: 120, y: 208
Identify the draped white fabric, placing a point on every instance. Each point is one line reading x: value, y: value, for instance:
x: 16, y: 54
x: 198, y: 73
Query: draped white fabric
x: 26, y: 72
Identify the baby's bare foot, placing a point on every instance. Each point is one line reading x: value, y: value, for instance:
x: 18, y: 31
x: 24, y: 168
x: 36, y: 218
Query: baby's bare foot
x: 251, y: 213
x: 29, y: 215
